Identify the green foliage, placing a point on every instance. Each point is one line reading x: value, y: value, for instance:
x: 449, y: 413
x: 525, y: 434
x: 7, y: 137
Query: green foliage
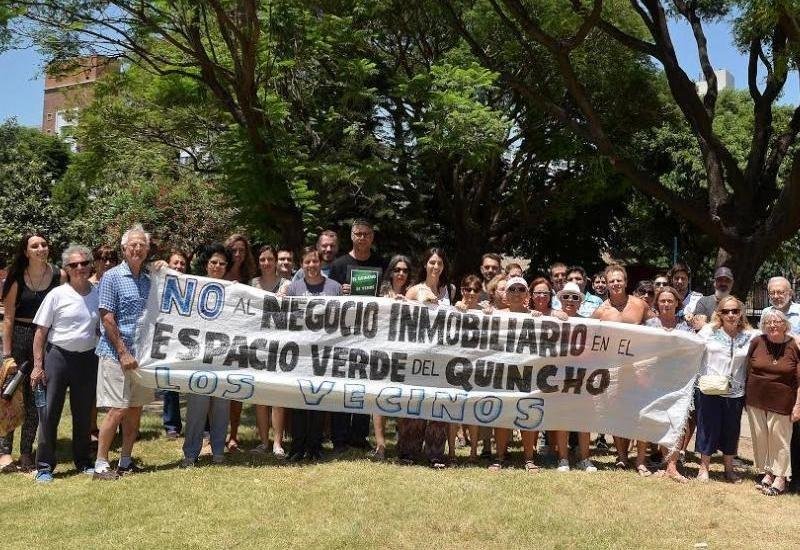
x: 30, y: 163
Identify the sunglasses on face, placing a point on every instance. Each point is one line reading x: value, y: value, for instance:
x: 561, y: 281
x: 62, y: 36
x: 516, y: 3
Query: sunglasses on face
x: 734, y: 311
x: 73, y: 265
x: 469, y: 290
x: 570, y: 297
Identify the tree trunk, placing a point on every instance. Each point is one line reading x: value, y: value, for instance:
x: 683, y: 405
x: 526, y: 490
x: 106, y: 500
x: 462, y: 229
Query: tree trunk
x: 744, y: 262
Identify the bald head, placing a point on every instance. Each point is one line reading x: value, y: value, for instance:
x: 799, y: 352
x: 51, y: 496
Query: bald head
x: 780, y: 293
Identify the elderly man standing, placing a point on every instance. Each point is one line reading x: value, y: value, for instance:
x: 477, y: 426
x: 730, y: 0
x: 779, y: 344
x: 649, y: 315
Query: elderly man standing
x: 123, y: 294
x: 780, y: 298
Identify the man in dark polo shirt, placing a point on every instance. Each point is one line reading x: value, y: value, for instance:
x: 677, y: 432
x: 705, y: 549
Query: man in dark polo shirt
x: 359, y: 272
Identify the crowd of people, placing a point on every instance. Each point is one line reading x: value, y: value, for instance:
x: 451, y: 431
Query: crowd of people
x: 74, y: 327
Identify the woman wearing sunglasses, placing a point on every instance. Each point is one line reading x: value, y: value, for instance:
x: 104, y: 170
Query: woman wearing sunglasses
x: 773, y: 400
x: 719, y: 399
x: 67, y: 326
x: 646, y: 291
x: 105, y: 257
x: 396, y: 280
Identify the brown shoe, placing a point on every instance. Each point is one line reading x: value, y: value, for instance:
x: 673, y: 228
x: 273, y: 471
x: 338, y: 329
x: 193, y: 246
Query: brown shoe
x: 106, y: 475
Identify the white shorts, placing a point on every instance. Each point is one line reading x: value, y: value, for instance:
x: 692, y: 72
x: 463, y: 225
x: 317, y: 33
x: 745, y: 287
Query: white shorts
x: 118, y: 388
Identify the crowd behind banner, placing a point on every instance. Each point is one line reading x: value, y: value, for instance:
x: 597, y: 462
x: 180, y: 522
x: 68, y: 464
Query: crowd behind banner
x: 73, y: 328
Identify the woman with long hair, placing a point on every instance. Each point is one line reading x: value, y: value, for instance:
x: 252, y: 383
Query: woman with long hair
x: 433, y: 288
x: 105, y: 257
x: 396, y: 280
x: 270, y: 281
x: 241, y: 270
x: 30, y: 278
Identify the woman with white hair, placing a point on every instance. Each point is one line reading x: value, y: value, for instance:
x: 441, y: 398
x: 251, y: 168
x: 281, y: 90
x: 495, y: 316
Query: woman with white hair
x: 67, y: 325
x: 773, y: 399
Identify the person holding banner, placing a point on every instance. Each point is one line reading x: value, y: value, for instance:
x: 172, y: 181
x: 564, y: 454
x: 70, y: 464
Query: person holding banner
x: 542, y: 300
x: 30, y: 279
x: 123, y: 295
x: 668, y: 303
x: 307, y: 424
x: 359, y: 273
x: 242, y: 270
x: 396, y: 281
x: 719, y: 399
x: 63, y: 358
x: 270, y: 281
x: 773, y: 399
x: 571, y: 298
x: 624, y: 308
x: 434, y: 289
x: 496, y: 291
x: 171, y: 413
x: 216, y: 260
x: 518, y: 298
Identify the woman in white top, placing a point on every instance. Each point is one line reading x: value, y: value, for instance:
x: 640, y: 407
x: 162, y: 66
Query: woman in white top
x: 436, y: 290
x: 270, y: 281
x: 719, y: 415
x: 67, y: 329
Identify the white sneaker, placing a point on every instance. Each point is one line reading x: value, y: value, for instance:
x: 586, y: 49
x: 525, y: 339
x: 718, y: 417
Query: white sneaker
x: 261, y: 449
x: 586, y: 465
x: 278, y: 452
x: 563, y: 465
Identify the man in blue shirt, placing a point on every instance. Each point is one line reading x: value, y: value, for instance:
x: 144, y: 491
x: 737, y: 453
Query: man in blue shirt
x: 123, y: 295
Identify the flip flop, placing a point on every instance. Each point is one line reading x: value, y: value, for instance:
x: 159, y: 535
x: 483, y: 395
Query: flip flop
x: 642, y: 470
x: 530, y: 466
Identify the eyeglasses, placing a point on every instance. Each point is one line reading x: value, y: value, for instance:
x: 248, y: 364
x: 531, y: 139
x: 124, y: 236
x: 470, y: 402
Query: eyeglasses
x: 777, y: 292
x: 516, y: 289
x: 400, y: 270
x: 73, y: 265
x: 217, y: 263
x: 541, y: 293
x: 136, y: 246
x: 469, y: 290
x: 570, y: 297
x: 774, y: 323
x: 734, y: 311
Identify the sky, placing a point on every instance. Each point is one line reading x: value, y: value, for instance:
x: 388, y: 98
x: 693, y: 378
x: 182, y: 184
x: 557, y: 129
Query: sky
x: 22, y: 83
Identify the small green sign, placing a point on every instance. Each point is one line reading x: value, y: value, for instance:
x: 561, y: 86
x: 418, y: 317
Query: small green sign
x: 364, y: 281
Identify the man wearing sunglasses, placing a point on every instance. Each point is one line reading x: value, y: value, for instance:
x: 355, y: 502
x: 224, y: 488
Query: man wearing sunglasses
x: 589, y: 302
x: 723, y: 282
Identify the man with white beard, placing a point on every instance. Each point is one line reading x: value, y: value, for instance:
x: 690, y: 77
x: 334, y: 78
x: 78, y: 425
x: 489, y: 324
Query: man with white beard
x: 780, y: 297
x: 723, y: 282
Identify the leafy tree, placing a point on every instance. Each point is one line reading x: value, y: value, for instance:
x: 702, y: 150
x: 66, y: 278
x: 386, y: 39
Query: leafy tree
x: 746, y: 205
x: 30, y: 163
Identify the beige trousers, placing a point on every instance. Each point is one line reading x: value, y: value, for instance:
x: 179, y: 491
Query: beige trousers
x: 771, y: 434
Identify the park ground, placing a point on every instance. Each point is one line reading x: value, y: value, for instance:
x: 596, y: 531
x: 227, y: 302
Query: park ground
x: 350, y: 502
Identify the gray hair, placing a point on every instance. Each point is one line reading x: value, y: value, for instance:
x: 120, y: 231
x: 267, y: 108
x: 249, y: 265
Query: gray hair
x: 135, y: 228
x: 774, y: 314
x: 782, y: 280
x: 73, y: 248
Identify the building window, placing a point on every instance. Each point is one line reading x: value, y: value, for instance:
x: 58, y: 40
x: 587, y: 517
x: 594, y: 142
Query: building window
x: 49, y: 116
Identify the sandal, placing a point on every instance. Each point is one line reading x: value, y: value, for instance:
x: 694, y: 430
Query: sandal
x: 642, y: 470
x: 497, y: 466
x: 773, y: 491
x: 233, y: 446
x: 531, y: 466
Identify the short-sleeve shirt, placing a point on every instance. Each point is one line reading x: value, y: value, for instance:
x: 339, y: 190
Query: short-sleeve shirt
x: 772, y: 379
x: 71, y: 318
x: 793, y: 314
x: 328, y: 287
x: 125, y: 296
x: 706, y: 306
x: 656, y: 322
x: 342, y: 268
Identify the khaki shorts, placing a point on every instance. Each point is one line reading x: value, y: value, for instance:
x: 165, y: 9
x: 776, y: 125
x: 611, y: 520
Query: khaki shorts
x: 118, y: 388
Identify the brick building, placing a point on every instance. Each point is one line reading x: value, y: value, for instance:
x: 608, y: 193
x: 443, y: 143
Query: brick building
x: 71, y: 87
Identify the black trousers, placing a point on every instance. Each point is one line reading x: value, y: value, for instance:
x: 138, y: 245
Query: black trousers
x: 307, y: 429
x: 347, y: 428
x: 76, y: 371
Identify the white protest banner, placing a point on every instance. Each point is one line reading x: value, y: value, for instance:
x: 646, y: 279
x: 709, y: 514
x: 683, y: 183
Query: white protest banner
x: 374, y: 355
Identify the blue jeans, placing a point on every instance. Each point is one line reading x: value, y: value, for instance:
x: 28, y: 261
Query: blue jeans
x: 172, y: 412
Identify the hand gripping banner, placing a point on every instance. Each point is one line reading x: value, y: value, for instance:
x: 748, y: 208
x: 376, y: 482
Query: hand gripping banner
x: 398, y: 358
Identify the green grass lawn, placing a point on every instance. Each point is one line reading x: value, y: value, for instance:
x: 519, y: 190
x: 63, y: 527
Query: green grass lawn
x: 354, y: 503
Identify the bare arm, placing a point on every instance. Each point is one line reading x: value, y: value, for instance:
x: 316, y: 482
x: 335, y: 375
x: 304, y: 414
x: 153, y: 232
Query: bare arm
x: 39, y: 341
x: 126, y: 359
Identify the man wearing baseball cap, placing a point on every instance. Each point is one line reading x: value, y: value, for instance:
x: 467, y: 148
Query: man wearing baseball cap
x: 723, y: 282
